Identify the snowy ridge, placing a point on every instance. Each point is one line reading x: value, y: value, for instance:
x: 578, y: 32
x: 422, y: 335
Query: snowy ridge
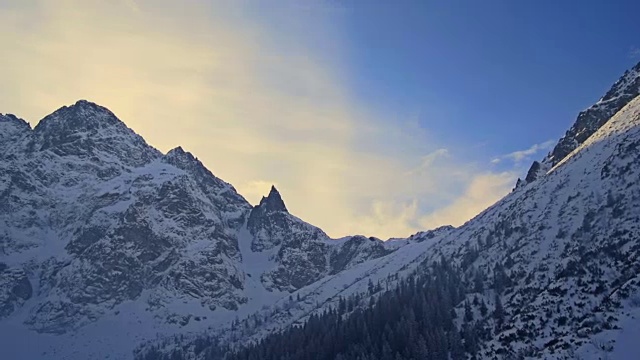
x: 570, y: 243
x: 589, y: 121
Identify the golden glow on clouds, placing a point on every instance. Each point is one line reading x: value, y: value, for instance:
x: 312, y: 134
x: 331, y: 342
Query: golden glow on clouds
x: 256, y: 105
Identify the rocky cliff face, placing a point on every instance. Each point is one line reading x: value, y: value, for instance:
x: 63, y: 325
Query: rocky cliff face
x: 96, y: 217
x: 303, y: 253
x: 589, y: 121
x: 15, y: 289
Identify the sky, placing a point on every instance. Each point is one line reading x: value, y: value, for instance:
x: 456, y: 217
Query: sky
x: 370, y: 117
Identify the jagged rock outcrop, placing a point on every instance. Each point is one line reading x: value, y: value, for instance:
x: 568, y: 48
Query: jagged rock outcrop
x: 589, y: 121
x: 15, y: 289
x: 10, y: 128
x: 355, y: 250
x: 302, y: 253
x: 270, y: 223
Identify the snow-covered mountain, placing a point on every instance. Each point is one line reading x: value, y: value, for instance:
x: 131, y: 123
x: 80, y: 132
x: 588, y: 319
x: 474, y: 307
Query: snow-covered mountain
x: 561, y: 253
x: 569, y: 245
x: 589, y: 121
x: 107, y: 244
x: 95, y: 222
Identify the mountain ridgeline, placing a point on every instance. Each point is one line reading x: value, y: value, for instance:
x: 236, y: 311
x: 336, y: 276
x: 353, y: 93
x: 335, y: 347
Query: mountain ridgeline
x: 590, y: 120
x: 109, y: 246
x: 92, y: 217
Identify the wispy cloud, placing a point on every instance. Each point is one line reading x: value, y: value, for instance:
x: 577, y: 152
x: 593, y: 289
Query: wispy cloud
x: 483, y: 191
x: 256, y: 103
x: 427, y: 162
x: 634, y: 52
x: 520, y: 155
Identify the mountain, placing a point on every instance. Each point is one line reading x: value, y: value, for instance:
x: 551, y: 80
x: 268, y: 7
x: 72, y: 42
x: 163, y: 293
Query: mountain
x: 589, y: 121
x: 99, y: 228
x: 109, y: 246
x: 555, y: 264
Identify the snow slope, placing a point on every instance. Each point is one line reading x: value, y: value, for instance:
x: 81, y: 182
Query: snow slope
x: 568, y: 245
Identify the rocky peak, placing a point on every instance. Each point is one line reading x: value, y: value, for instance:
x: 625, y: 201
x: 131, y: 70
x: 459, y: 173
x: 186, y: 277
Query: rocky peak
x: 206, y: 180
x: 11, y: 126
x: 271, y: 224
x: 10, y: 119
x: 271, y: 212
x: 181, y: 159
x: 87, y: 129
x: 536, y: 171
x: 81, y: 116
x: 273, y: 202
x: 590, y: 120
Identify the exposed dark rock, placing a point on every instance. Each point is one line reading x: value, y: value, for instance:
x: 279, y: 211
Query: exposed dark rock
x: 590, y: 120
x: 15, y: 289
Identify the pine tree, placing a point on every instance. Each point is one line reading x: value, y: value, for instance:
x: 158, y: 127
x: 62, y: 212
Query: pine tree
x: 468, y: 314
x: 498, y: 313
x: 478, y: 281
x: 483, y: 308
x: 413, y: 320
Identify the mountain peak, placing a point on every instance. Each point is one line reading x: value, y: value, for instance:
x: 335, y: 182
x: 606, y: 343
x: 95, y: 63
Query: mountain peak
x: 184, y: 160
x: 11, y: 124
x: 625, y: 89
x: 85, y: 103
x: 178, y: 152
x: 10, y: 118
x: 88, y: 129
x: 81, y: 116
x: 273, y: 202
x: 12, y: 129
x: 590, y: 120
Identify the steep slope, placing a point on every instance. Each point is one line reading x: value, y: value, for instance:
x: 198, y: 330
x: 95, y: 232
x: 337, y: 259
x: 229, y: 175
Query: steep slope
x: 556, y: 262
x: 589, y: 121
x: 561, y: 254
x: 568, y: 245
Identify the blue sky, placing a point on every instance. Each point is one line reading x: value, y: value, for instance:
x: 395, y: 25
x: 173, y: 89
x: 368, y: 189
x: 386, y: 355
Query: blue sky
x: 380, y: 118
x: 500, y: 75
